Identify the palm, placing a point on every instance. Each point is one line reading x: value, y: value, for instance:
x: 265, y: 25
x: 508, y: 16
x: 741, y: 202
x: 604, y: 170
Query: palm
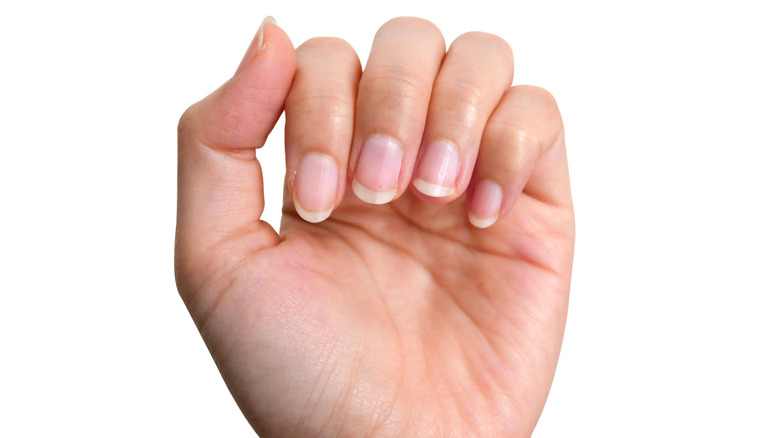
x: 374, y: 314
x: 394, y: 320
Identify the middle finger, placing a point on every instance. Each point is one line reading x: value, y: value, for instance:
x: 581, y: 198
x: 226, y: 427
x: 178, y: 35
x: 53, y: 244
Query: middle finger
x: 392, y: 103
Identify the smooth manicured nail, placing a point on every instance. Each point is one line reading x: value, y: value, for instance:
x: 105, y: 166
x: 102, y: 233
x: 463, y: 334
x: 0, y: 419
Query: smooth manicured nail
x: 437, y: 170
x: 485, y: 204
x: 376, y: 174
x: 257, y: 44
x: 316, y: 184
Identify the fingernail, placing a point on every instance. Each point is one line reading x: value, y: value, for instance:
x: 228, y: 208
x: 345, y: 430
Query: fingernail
x: 485, y: 204
x: 378, y: 167
x: 437, y: 170
x: 256, y: 45
x: 315, y: 186
x: 267, y: 20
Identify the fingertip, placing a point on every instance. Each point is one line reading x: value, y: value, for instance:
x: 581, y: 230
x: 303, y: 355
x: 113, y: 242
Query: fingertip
x: 482, y: 223
x: 241, y: 113
x: 371, y: 196
x: 263, y: 36
x: 312, y: 216
x: 273, y: 43
x: 432, y: 189
x: 268, y: 20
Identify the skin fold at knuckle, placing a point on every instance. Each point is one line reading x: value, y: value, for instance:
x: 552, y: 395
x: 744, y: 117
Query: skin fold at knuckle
x: 394, y: 85
x: 545, y: 106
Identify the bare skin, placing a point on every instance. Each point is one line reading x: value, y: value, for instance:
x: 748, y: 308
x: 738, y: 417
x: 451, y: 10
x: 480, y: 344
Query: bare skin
x: 399, y: 319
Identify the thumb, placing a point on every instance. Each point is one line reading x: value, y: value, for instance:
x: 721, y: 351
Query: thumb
x: 220, y: 187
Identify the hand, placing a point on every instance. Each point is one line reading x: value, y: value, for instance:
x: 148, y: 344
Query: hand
x: 399, y: 319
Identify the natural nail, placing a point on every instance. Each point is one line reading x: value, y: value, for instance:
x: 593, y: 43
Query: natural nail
x: 267, y: 20
x: 437, y: 169
x: 485, y: 203
x: 378, y: 167
x: 315, y: 187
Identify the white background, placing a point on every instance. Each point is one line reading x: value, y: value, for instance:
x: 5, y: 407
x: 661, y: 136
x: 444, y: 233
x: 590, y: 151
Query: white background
x: 671, y: 112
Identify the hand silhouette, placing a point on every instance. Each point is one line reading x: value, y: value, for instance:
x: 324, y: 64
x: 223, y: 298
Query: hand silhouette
x: 430, y: 297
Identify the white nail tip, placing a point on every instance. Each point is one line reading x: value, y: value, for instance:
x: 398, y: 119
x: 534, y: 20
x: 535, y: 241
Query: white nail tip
x: 371, y: 196
x: 312, y: 216
x: 432, y: 190
x: 482, y: 223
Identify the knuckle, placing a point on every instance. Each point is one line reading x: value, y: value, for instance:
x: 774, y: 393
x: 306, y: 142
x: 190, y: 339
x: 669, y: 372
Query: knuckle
x: 185, y: 121
x: 488, y: 47
x: 393, y: 81
x: 484, y: 40
x: 465, y: 92
x: 419, y: 26
x: 320, y: 102
x: 515, y: 133
x: 545, y: 106
x: 514, y: 136
x: 330, y: 44
x: 409, y: 22
x: 541, y: 95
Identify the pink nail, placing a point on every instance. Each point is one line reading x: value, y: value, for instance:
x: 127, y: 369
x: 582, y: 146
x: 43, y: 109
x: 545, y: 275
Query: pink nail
x: 376, y: 174
x: 315, y: 183
x: 485, y: 204
x: 437, y: 169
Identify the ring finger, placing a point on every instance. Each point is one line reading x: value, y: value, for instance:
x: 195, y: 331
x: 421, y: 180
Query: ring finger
x: 477, y: 70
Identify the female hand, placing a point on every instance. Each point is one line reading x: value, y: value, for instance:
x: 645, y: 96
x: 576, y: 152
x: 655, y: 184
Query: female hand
x: 430, y: 297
